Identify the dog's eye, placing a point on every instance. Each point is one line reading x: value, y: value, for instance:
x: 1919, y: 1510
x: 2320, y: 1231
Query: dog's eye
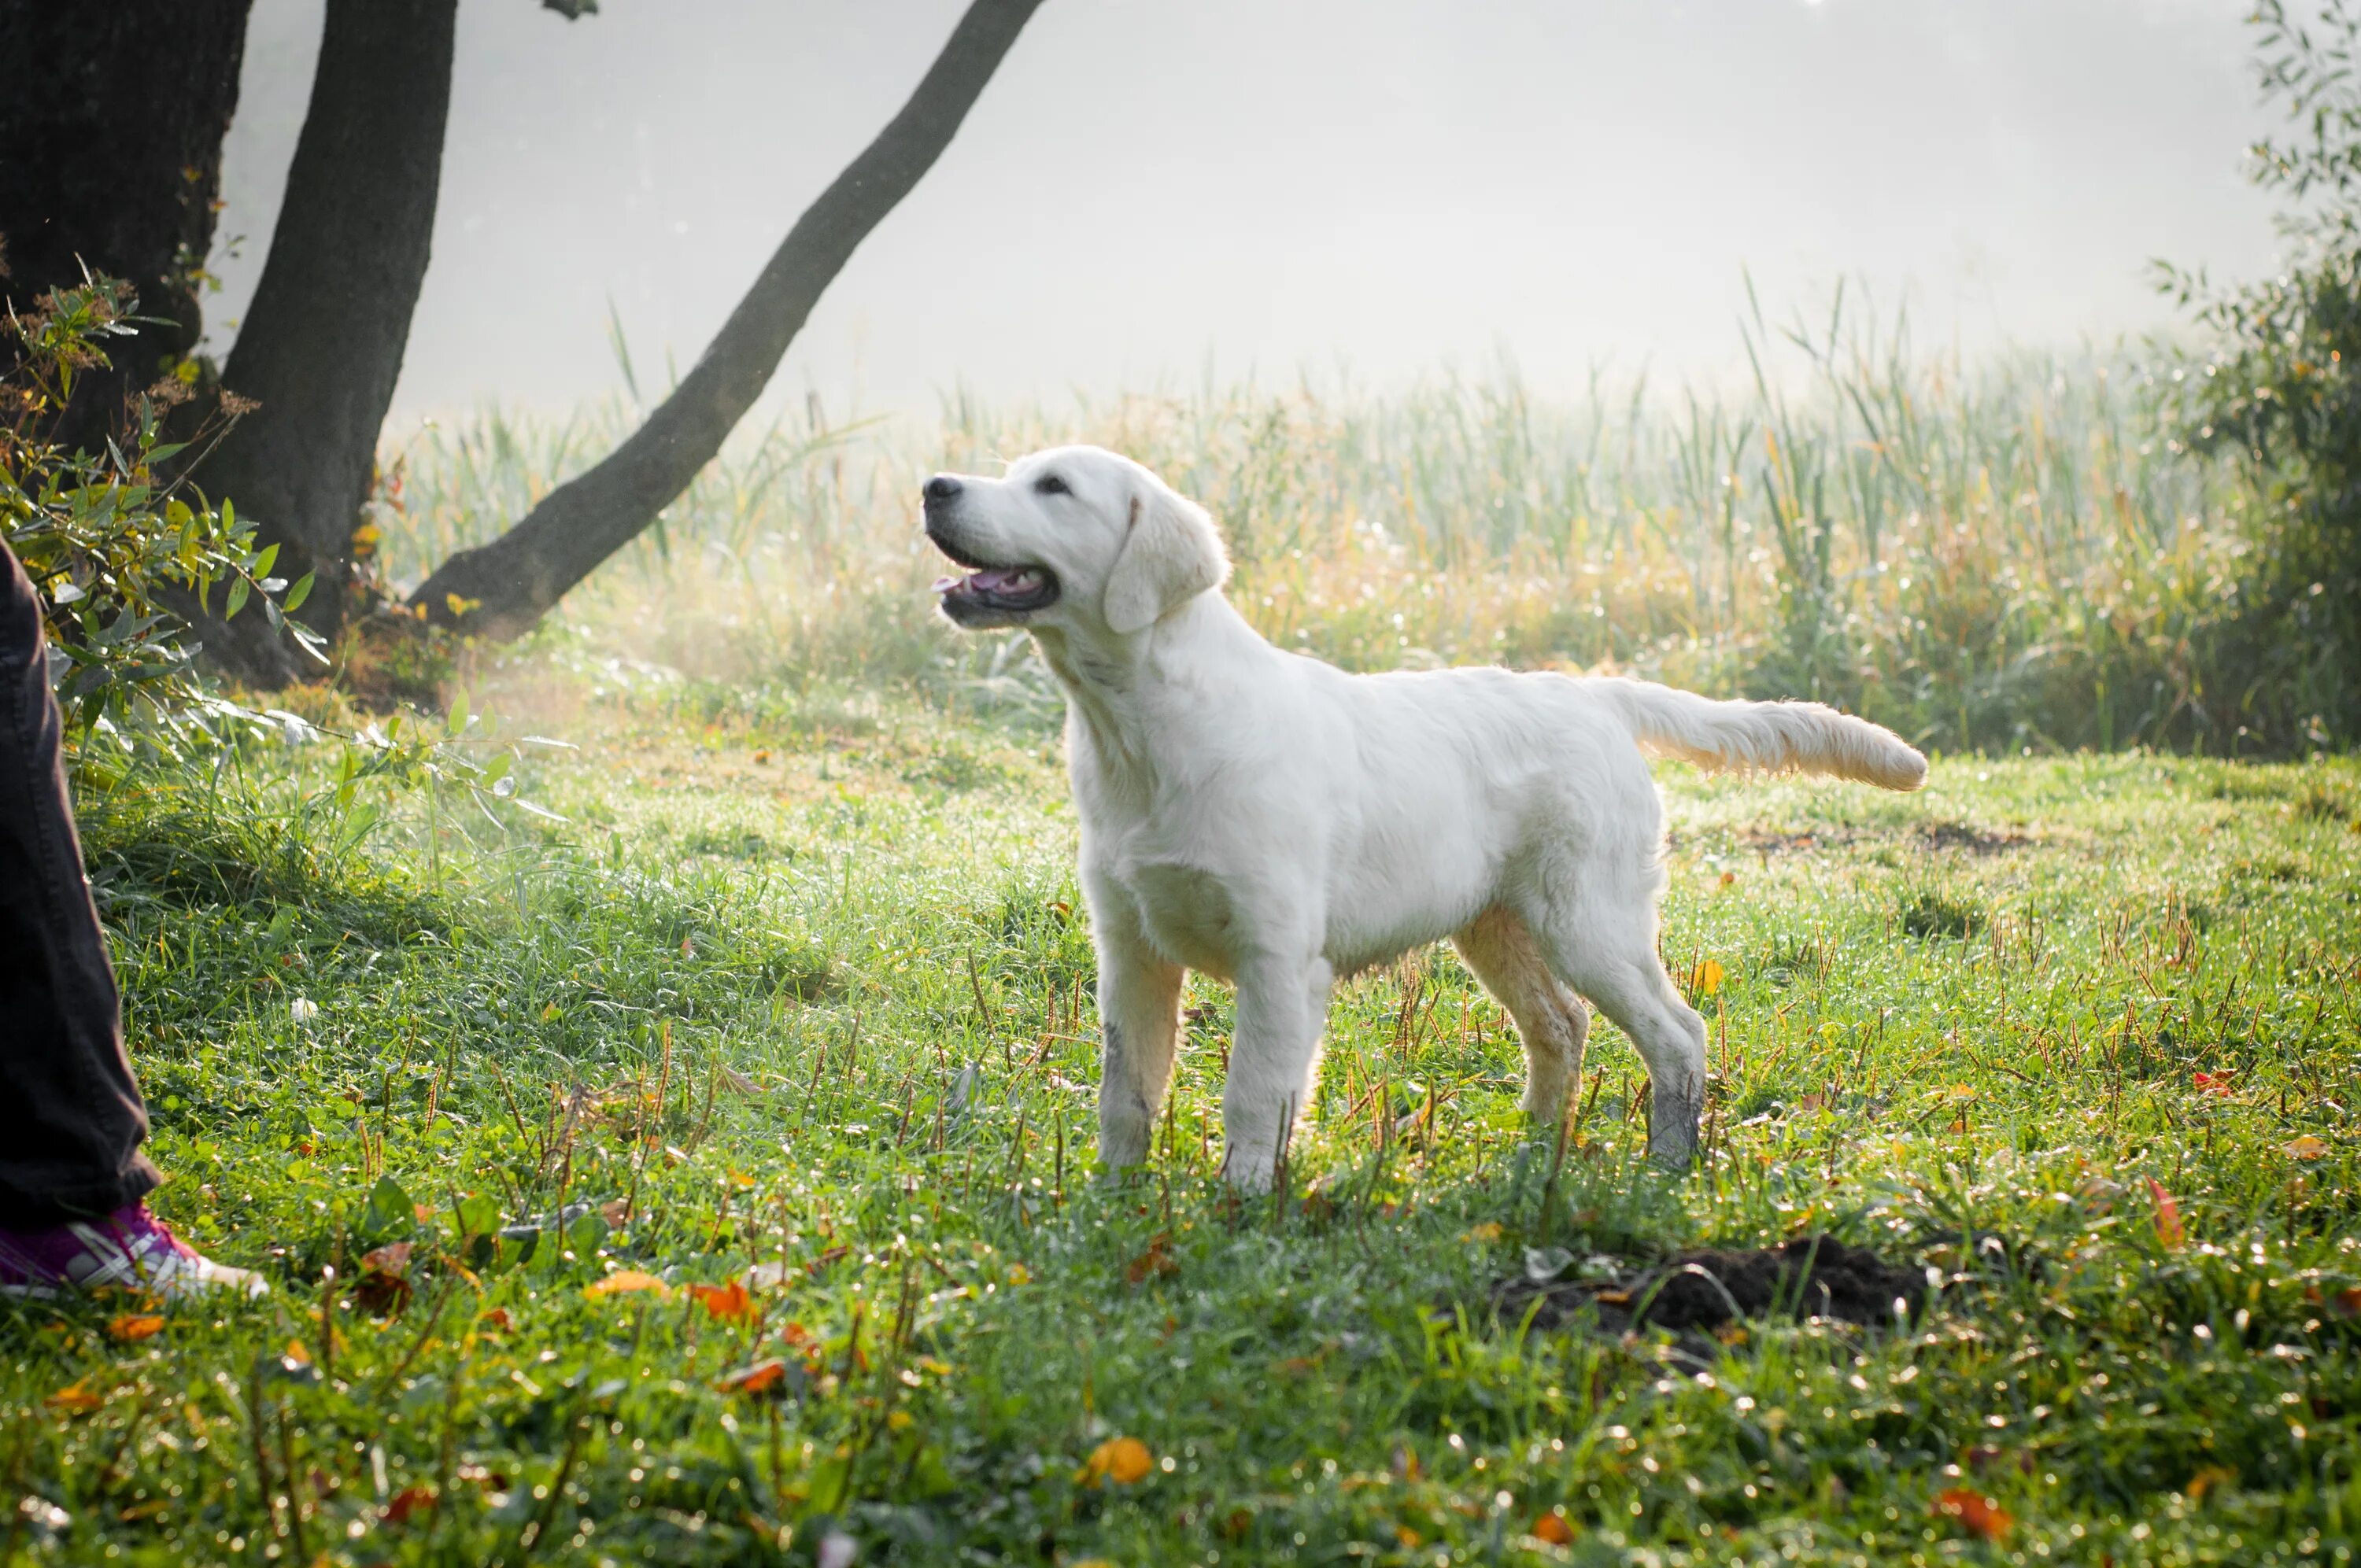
x: 1051, y: 485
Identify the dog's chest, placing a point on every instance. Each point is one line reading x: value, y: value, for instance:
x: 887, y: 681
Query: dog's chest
x: 1187, y: 913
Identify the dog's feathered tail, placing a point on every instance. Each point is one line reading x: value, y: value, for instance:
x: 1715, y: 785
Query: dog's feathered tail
x: 1760, y: 737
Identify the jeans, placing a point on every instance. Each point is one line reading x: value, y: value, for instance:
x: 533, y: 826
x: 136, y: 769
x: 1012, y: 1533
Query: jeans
x: 70, y: 1115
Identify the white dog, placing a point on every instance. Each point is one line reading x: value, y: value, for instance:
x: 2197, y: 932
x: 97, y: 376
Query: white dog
x: 1278, y: 824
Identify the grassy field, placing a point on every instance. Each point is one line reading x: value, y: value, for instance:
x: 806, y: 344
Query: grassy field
x: 799, y: 987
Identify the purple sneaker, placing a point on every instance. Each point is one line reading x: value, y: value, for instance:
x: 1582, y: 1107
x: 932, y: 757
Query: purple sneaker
x: 131, y: 1249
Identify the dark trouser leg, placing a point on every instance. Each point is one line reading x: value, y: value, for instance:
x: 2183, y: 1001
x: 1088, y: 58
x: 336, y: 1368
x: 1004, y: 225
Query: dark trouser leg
x: 70, y: 1116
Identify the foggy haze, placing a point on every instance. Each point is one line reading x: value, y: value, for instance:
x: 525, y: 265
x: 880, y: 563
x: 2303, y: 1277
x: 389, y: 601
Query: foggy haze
x: 1149, y: 192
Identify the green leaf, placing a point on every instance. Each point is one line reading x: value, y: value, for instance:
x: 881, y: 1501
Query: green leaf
x: 300, y: 592
x: 586, y: 1233
x: 476, y: 1216
x: 263, y: 559
x: 459, y: 713
x: 388, y: 1209
x: 238, y: 590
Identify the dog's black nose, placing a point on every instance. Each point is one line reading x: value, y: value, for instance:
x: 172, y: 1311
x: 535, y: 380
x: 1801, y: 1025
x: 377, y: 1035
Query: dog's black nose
x: 942, y: 487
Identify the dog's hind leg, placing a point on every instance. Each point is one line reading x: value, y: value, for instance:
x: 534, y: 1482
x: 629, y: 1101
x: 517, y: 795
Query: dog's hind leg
x: 1551, y: 1020
x: 1139, y: 1023
x: 1605, y: 947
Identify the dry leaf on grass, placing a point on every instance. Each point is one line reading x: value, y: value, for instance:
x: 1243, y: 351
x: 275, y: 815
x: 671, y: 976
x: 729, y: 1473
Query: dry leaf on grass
x: 74, y: 1399
x: 2168, y: 1215
x: 1122, y: 1460
x: 1977, y: 1514
x: 1155, y: 1263
x: 764, y: 1379
x: 417, y: 1500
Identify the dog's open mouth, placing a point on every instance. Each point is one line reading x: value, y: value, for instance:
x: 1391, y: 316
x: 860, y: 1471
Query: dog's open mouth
x: 1013, y: 590
x: 989, y: 591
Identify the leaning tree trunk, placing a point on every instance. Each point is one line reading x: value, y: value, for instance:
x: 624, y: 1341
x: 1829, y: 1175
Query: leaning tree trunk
x: 321, y: 346
x: 111, y: 129
x: 501, y: 589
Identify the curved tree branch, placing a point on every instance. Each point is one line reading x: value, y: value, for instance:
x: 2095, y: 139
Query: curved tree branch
x: 501, y: 589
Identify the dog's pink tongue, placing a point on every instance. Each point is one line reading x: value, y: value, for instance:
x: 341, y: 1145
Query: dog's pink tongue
x: 993, y: 580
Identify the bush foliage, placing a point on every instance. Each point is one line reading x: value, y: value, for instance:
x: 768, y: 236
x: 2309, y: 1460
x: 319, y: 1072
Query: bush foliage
x: 117, y: 542
x: 2278, y: 399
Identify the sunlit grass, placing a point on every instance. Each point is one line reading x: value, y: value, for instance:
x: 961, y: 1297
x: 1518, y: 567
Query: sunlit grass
x: 809, y: 994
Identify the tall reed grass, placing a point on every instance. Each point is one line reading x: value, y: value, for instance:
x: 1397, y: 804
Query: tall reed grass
x: 1999, y: 555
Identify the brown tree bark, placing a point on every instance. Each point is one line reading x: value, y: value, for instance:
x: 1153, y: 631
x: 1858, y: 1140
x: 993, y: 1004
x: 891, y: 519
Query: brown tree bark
x: 501, y: 589
x: 321, y: 346
x: 111, y: 129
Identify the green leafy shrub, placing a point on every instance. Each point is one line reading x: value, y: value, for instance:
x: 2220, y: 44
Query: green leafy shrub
x: 2278, y: 397
x: 117, y: 542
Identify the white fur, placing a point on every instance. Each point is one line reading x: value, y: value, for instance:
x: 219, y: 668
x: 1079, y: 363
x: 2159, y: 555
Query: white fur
x: 1278, y: 824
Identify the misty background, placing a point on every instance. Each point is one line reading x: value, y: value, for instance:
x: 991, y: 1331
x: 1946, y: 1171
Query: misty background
x: 1150, y: 194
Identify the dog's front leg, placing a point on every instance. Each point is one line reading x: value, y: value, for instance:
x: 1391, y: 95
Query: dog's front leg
x: 1140, y: 1020
x: 1282, y: 1007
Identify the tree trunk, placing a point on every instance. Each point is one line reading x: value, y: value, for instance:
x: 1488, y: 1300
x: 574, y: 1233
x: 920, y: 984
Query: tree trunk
x: 111, y: 130
x: 501, y: 589
x: 321, y: 346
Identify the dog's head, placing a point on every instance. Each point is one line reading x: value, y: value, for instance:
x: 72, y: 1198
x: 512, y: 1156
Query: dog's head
x: 1075, y: 538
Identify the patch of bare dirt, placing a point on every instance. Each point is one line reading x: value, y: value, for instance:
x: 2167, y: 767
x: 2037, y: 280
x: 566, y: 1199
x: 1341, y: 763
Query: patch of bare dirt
x: 1959, y: 836
x: 1763, y: 843
x: 1811, y: 1276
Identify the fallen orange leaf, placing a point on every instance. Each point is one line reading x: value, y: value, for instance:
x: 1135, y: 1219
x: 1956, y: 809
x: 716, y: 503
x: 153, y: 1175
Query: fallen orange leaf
x: 1122, y: 1460
x: 1977, y: 1514
x: 1551, y: 1526
x: 624, y: 1281
x: 497, y: 1321
x: 761, y: 1378
x: 2308, y: 1147
x: 392, y: 1257
x: 2347, y: 1301
x: 731, y: 1303
x: 2168, y: 1214
x: 74, y: 1399
x: 1489, y: 1230
x: 1707, y: 978
x: 131, y: 1326
x: 408, y: 1501
x: 2213, y: 1083
x: 1157, y: 1260
x: 2207, y: 1479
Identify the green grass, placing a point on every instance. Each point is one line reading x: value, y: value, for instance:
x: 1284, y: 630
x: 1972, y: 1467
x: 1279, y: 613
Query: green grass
x: 804, y: 984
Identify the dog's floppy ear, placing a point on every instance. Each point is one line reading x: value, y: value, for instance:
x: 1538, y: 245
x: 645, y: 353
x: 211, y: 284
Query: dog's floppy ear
x: 1170, y: 554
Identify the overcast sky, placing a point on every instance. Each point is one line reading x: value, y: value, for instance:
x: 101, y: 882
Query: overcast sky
x: 1150, y: 188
